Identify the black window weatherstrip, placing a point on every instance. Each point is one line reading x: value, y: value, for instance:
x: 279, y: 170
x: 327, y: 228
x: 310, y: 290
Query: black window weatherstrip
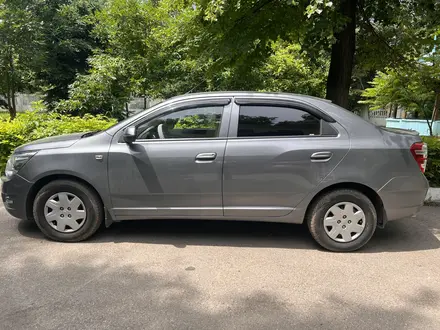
x: 198, y: 103
x: 286, y: 103
x: 181, y: 105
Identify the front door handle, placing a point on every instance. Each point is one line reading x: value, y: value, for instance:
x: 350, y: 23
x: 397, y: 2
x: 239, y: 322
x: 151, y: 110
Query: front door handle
x: 321, y: 156
x: 206, y: 157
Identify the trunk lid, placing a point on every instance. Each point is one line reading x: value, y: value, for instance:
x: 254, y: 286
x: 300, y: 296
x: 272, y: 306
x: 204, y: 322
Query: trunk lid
x: 407, y: 139
x: 404, y: 138
x: 400, y: 131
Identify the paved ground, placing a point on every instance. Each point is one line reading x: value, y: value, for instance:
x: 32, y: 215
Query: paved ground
x: 216, y: 275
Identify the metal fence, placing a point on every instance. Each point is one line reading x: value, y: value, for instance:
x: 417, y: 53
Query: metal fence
x: 378, y: 117
x: 138, y: 104
x: 23, y: 102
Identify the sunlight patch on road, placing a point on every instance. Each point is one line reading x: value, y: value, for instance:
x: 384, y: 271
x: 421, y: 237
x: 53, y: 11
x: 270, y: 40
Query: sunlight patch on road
x: 436, y: 233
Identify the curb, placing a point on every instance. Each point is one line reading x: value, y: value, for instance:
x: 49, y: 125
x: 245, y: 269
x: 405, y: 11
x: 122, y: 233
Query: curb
x: 433, y: 197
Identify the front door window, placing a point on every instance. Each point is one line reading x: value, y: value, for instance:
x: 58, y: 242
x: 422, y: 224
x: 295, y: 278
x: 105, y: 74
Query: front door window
x: 193, y: 123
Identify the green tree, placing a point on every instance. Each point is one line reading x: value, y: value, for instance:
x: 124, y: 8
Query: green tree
x: 66, y: 43
x: 291, y: 69
x: 317, y: 47
x: 239, y: 33
x: 415, y: 88
x: 44, y: 45
x: 104, y: 90
x: 18, y: 32
x: 165, y: 49
x: 142, y: 53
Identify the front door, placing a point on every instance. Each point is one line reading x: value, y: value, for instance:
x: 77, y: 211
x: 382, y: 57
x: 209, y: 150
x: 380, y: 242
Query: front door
x: 274, y: 157
x: 174, y: 168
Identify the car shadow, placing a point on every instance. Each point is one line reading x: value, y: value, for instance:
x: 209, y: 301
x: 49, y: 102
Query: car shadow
x: 97, y: 295
x: 403, y: 235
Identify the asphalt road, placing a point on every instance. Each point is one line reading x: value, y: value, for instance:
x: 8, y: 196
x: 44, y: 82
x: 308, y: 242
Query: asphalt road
x: 219, y: 275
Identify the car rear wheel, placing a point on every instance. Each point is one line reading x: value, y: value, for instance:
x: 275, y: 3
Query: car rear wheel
x: 67, y: 211
x: 342, y: 220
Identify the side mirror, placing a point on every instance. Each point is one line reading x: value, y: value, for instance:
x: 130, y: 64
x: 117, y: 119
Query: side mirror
x: 129, y: 134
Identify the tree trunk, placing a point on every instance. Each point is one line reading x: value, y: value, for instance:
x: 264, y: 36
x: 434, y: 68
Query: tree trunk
x: 8, y: 91
x: 11, y: 88
x: 395, y: 107
x: 342, y: 57
x: 436, y: 106
x: 430, y: 127
x: 13, y: 110
x: 429, y: 122
x: 9, y: 97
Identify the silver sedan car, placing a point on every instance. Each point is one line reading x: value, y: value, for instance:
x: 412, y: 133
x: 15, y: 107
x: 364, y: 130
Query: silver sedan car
x: 224, y: 156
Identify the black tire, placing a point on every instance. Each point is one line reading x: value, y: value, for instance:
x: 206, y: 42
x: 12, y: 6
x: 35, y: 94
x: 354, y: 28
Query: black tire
x: 317, y: 211
x: 92, y: 203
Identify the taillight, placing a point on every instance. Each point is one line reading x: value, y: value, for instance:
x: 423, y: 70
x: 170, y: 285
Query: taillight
x: 419, y: 151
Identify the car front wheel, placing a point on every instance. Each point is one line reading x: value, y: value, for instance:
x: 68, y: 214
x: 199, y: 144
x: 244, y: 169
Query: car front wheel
x: 342, y: 220
x: 67, y: 211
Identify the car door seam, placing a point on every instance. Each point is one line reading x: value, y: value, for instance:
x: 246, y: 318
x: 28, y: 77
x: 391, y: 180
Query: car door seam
x: 224, y: 153
x: 333, y: 169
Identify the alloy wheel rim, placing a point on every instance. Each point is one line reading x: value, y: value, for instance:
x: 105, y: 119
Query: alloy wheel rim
x: 344, y: 222
x: 65, y: 212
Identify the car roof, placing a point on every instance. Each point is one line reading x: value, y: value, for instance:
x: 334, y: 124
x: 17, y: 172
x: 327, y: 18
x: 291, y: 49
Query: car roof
x: 190, y: 96
x: 354, y: 124
x: 341, y: 115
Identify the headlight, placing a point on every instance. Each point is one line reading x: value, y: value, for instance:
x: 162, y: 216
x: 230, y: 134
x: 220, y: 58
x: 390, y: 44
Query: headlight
x: 16, y: 162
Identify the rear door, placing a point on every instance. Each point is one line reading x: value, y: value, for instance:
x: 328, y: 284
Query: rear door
x: 276, y: 153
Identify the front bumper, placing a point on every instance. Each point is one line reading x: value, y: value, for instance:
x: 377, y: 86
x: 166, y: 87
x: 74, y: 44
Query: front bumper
x: 14, y: 196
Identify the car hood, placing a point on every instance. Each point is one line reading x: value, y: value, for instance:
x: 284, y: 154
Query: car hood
x: 60, y: 141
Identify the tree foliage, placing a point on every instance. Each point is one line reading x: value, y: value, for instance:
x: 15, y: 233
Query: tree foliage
x: 410, y: 87
x: 166, y: 48
x: 44, y: 45
x: 18, y: 30
x: 65, y: 44
x: 415, y: 88
x: 387, y: 33
x: 30, y: 126
x: 142, y: 53
x: 104, y: 90
x: 92, y: 56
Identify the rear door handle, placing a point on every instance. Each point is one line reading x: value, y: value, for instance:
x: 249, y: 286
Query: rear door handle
x: 206, y: 157
x: 321, y: 156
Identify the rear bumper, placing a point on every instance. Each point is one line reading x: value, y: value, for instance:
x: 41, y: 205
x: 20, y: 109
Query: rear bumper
x: 14, y: 195
x: 403, y: 197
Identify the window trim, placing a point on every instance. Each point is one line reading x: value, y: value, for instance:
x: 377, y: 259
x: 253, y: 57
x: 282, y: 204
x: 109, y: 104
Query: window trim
x: 233, y: 124
x: 211, y: 102
x: 286, y: 104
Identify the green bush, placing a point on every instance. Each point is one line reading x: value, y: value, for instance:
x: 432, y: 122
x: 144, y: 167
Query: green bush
x: 30, y: 126
x: 433, y: 168
x: 4, y: 115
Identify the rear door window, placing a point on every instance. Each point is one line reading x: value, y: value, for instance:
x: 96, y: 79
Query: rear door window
x: 267, y: 121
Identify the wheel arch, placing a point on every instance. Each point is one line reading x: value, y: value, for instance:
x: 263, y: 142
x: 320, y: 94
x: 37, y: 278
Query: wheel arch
x: 40, y: 183
x: 366, y: 190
